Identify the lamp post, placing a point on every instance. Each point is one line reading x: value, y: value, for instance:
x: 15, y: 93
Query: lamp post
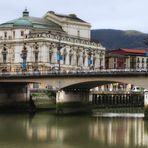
x: 24, y: 57
x: 89, y: 59
x: 59, y: 57
x: 36, y: 53
x: 101, y: 60
x: 4, y: 53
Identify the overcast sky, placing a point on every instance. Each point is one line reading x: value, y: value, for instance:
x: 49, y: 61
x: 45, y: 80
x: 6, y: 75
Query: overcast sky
x: 102, y: 14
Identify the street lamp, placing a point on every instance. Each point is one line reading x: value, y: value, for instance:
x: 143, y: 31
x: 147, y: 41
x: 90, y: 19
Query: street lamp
x: 59, y: 56
x: 4, y: 53
x: 36, y: 52
x: 101, y: 60
x: 89, y: 59
x: 24, y: 57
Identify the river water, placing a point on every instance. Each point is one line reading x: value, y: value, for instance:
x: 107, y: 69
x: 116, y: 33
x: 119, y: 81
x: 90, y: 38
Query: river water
x: 45, y: 130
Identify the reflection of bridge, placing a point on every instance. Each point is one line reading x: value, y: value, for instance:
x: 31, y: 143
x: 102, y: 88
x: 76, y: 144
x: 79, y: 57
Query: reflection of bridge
x: 71, y: 86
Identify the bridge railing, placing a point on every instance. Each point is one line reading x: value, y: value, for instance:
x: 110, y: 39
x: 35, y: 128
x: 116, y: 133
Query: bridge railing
x: 76, y: 72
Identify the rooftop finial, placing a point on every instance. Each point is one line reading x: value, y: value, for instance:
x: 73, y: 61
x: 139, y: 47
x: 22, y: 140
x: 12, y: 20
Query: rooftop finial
x: 25, y: 12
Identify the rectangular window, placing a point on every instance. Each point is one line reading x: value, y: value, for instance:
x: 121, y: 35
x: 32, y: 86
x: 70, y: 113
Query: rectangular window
x: 36, y: 85
x: 5, y: 34
x: 22, y: 33
x: 13, y: 34
x: 115, y: 66
x: 78, y: 33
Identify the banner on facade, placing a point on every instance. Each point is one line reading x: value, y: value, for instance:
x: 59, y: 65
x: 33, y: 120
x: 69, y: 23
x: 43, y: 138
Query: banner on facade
x: 24, y: 65
x: 59, y: 57
x: 89, y: 61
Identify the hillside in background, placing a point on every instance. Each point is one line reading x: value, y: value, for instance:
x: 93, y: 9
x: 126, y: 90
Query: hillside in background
x: 113, y: 39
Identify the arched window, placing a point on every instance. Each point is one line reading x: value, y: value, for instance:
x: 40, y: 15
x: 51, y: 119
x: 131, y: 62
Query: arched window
x: 77, y: 56
x: 84, y: 57
x: 51, y: 52
x: 4, y: 54
x: 89, y: 58
x: 50, y: 55
x: 36, y: 52
x: 70, y: 57
x: 94, y: 60
x: 78, y: 33
x: 24, y: 53
x: 64, y: 56
x: 101, y: 61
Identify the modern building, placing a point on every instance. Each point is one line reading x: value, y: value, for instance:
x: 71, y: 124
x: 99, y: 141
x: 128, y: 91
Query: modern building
x: 52, y: 42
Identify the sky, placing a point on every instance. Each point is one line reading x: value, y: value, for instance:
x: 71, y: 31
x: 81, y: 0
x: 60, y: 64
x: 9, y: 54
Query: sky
x: 101, y: 14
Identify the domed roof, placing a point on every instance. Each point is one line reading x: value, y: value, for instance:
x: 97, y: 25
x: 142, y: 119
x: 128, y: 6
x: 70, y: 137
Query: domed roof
x: 23, y: 22
x: 31, y: 22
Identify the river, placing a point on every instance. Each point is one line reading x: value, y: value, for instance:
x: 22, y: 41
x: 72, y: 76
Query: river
x: 45, y: 130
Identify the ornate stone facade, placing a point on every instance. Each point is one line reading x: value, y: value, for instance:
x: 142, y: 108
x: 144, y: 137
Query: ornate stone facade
x: 40, y: 44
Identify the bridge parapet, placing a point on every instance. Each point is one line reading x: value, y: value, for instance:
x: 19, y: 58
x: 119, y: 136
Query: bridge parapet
x: 65, y: 79
x: 73, y: 73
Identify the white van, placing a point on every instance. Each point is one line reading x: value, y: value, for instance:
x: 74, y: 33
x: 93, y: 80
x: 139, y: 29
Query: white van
x: 137, y: 89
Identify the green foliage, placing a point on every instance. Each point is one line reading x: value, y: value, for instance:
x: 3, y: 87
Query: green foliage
x: 44, y: 100
x: 50, y: 94
x: 35, y: 94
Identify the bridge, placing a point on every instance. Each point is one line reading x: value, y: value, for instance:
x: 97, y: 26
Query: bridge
x: 71, y: 86
x: 72, y: 80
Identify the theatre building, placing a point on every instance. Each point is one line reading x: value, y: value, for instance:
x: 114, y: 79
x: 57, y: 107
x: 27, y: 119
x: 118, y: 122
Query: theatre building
x: 49, y: 43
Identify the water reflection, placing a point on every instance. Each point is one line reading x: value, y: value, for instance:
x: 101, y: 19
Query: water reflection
x: 120, y: 131
x: 44, y: 130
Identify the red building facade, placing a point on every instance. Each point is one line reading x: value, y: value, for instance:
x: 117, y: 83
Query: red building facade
x: 126, y: 59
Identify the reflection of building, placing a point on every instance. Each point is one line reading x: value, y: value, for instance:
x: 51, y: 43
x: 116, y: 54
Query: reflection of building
x: 125, y: 132
x: 53, y: 42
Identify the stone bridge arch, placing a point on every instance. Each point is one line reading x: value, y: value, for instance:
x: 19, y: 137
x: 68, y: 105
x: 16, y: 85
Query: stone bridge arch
x: 67, y: 81
x: 62, y: 83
